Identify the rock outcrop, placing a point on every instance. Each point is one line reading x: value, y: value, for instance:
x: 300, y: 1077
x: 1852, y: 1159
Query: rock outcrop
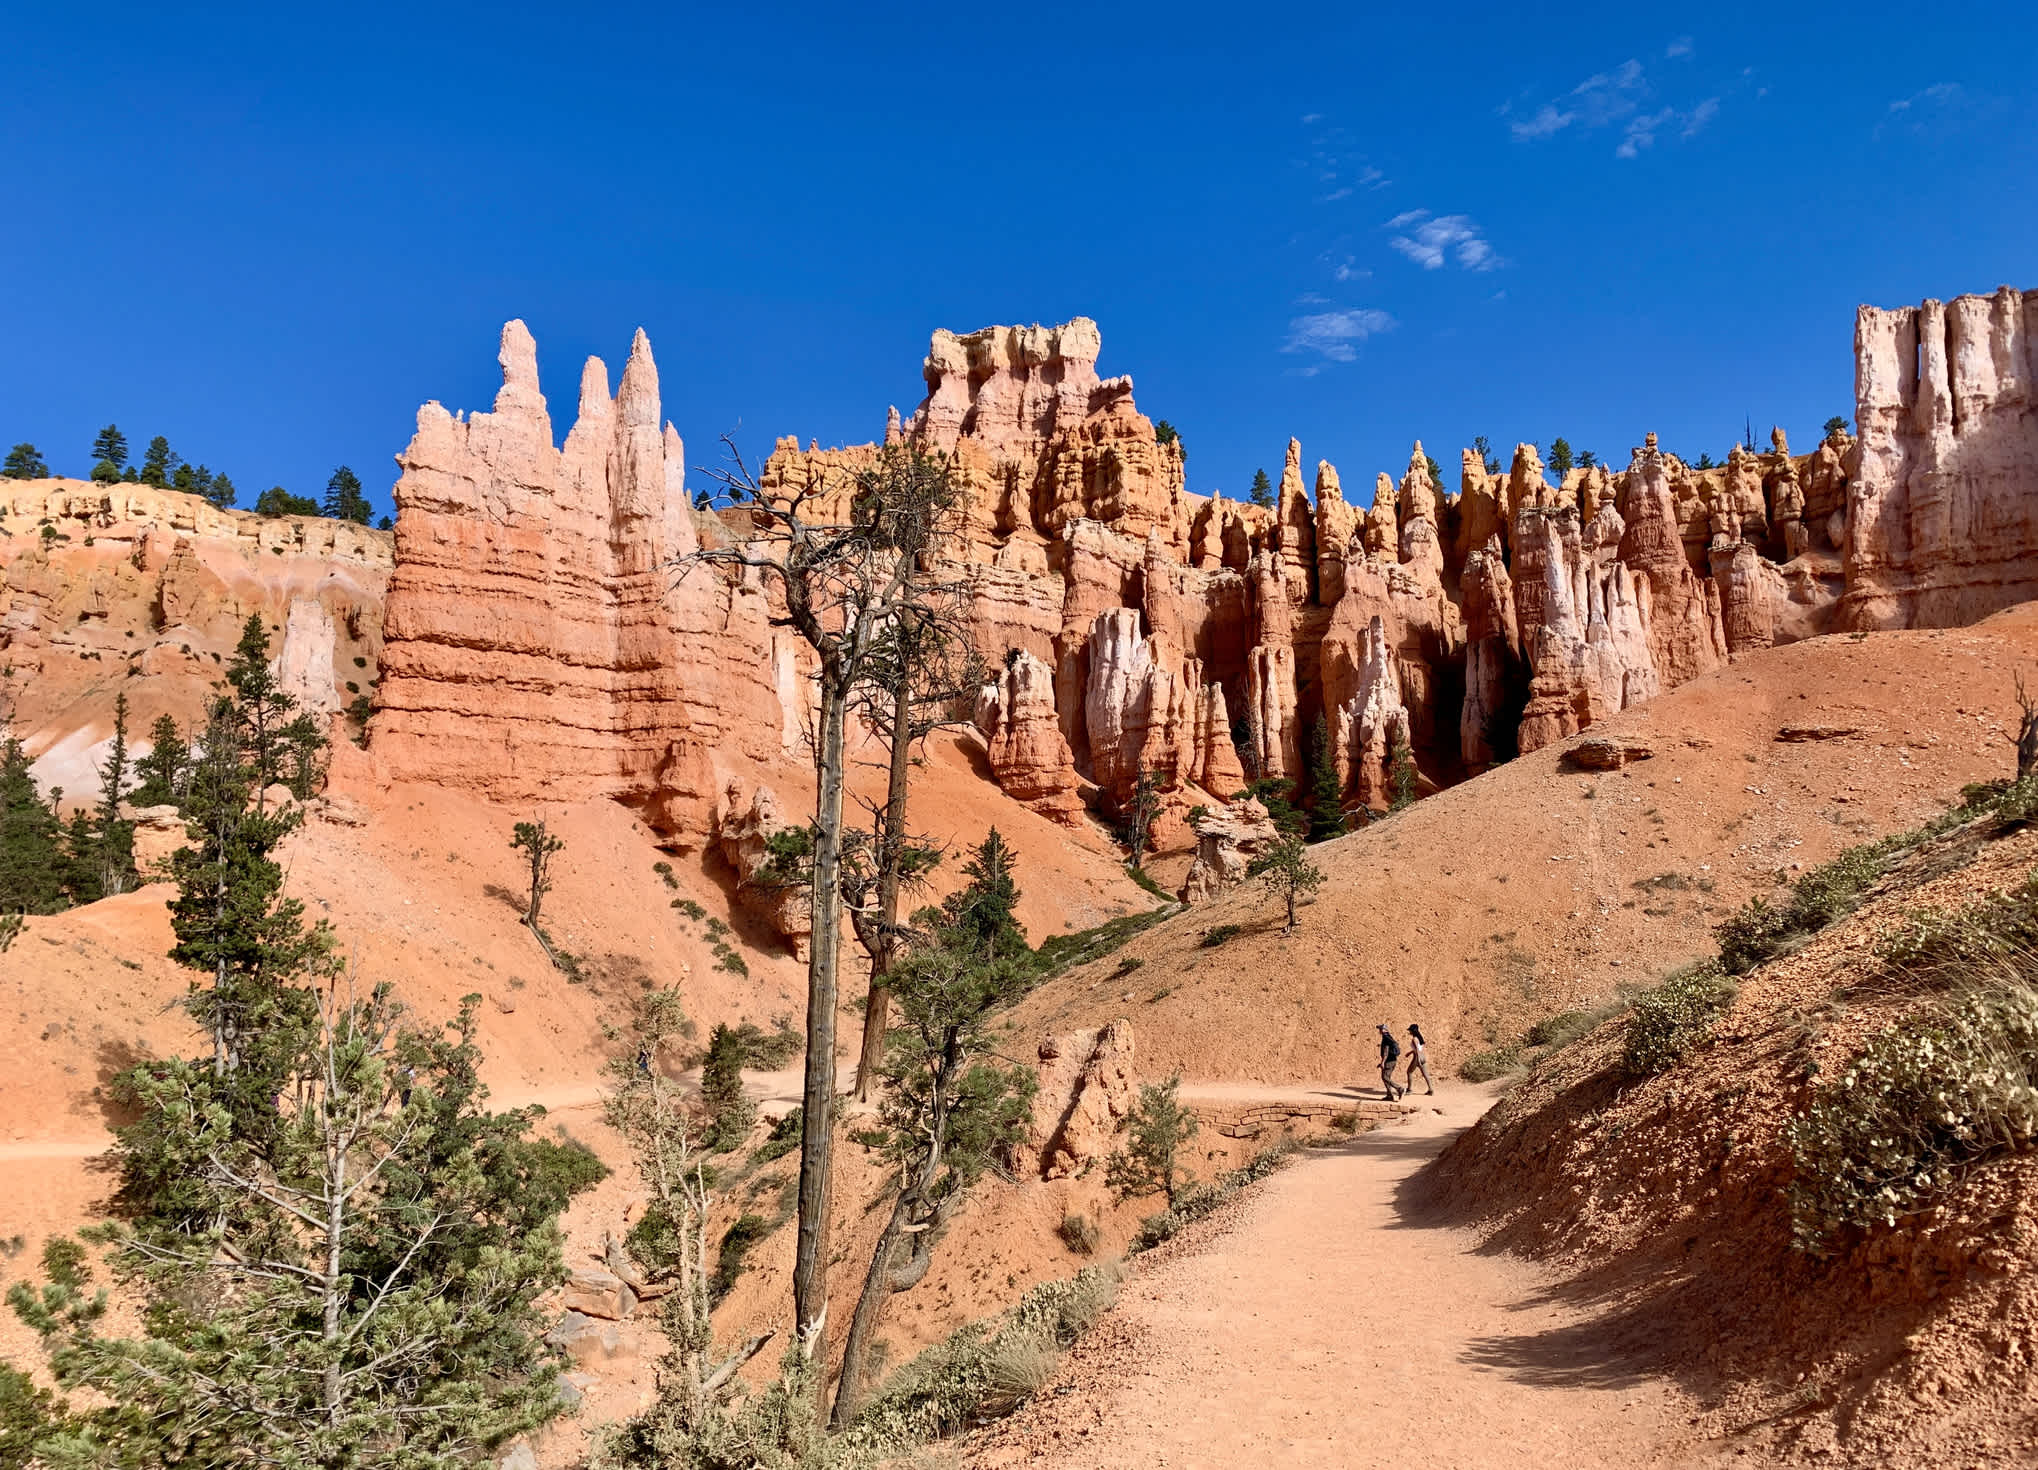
x: 127, y: 588
x: 1086, y: 1090
x: 1227, y: 840
x: 534, y: 647
x: 1942, y: 522
x: 543, y: 638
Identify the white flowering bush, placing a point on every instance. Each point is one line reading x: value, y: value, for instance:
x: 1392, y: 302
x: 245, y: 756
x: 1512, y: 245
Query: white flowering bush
x: 1928, y: 1098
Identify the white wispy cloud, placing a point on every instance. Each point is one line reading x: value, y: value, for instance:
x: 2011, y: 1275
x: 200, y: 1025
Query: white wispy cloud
x: 1346, y: 271
x: 1432, y: 240
x: 1602, y: 98
x: 1334, y: 336
x: 1617, y: 97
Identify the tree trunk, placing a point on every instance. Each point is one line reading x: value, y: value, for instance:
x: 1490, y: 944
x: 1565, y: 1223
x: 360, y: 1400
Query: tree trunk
x: 332, y: 1285
x: 877, y: 1287
x: 891, y: 852
x: 810, y: 1262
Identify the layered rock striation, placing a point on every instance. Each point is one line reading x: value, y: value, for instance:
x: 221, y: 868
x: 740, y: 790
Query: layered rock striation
x: 537, y: 645
x: 541, y: 640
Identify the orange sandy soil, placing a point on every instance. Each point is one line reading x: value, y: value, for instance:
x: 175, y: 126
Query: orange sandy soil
x: 1519, y: 893
x: 1501, y: 900
x: 423, y: 893
x: 1660, y: 1209
x: 1331, y: 1321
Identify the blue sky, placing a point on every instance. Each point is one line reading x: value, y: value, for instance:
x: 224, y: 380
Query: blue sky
x: 270, y: 233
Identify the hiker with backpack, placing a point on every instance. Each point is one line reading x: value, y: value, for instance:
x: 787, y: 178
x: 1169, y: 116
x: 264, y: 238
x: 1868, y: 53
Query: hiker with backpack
x: 1390, y: 1053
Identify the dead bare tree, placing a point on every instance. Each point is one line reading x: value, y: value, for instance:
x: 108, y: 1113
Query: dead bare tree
x: 2026, y: 739
x: 923, y: 678
x: 843, y: 555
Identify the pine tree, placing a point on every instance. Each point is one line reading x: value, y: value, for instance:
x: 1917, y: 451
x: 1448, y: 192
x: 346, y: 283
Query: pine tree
x: 221, y: 491
x: 1140, y: 811
x: 1402, y: 773
x: 985, y: 912
x: 1156, y: 1129
x: 161, y: 771
x: 344, y: 500
x: 1166, y: 433
x: 1327, y: 794
x: 1286, y: 872
x: 232, y: 923
x: 729, y: 1108
x: 80, y: 859
x: 24, y: 462
x: 115, y: 834
x: 538, y: 845
x: 1560, y: 456
x: 1262, y: 492
x: 1836, y: 428
x: 1484, y: 449
x: 158, y: 463
x: 31, y: 866
x: 950, y: 1107
x: 1587, y: 459
x: 110, y: 447
x: 283, y: 747
x: 276, y: 501
x: 363, y: 1288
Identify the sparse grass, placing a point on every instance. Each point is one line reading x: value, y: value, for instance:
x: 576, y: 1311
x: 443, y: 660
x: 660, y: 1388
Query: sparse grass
x: 1059, y: 953
x: 1146, y: 880
x: 1761, y: 931
x: 1080, y: 1234
x: 986, y: 1369
x: 1488, y: 1066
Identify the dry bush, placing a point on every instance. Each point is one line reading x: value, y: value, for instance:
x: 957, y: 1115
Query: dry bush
x: 1928, y: 1098
x: 1667, y: 1022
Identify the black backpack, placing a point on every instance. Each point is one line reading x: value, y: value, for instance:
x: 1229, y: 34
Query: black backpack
x: 1390, y: 1050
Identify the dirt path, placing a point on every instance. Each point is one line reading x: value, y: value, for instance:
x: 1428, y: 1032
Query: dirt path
x: 1332, y: 1326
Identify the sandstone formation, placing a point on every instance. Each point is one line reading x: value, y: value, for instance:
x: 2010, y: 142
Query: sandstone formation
x: 535, y: 648
x: 1227, y: 840
x: 118, y: 588
x: 1942, y: 524
x: 1086, y: 1090
x: 539, y: 640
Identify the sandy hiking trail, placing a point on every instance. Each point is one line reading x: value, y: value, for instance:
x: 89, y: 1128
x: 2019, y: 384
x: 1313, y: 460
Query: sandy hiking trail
x: 1332, y: 1324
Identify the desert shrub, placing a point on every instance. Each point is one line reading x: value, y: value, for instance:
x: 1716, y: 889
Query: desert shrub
x: 743, y: 1233
x: 1667, y: 1022
x: 690, y: 908
x: 985, y: 1369
x: 1195, y: 1203
x: 664, y: 870
x: 782, y: 1140
x: 1080, y: 1234
x: 1928, y: 1097
x: 1486, y: 1066
x: 1935, y: 945
x: 1219, y: 933
x: 1347, y: 1123
x: 1126, y: 966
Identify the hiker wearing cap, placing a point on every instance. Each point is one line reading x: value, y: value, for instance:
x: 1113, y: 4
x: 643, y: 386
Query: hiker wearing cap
x: 1390, y: 1053
x: 1418, y: 1061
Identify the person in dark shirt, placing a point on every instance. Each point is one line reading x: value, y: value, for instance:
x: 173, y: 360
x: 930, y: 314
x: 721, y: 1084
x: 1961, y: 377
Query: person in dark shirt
x: 1390, y: 1053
